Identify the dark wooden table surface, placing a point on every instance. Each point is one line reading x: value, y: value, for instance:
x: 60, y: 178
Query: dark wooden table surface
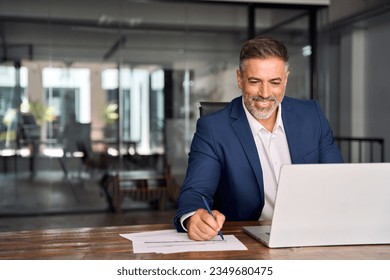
x: 105, y: 243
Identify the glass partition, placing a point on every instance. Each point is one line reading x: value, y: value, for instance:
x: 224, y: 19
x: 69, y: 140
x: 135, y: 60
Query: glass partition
x: 124, y: 78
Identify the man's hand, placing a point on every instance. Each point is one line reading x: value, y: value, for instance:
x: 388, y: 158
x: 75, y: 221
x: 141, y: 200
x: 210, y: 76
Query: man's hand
x: 202, y: 226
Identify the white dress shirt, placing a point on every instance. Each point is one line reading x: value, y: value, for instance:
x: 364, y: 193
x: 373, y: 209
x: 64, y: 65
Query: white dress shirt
x: 273, y: 151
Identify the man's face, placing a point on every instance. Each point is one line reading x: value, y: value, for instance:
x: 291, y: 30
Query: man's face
x: 263, y: 83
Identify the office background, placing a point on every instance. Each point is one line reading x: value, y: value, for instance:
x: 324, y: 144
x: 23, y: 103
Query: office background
x: 124, y: 79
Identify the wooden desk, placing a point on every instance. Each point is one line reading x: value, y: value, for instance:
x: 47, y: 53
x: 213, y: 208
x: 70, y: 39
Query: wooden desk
x: 105, y: 243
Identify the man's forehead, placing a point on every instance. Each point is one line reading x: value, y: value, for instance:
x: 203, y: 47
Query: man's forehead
x: 265, y: 71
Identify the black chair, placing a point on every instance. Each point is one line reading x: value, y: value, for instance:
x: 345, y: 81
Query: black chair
x: 29, y: 129
x: 76, y: 138
x: 75, y: 132
x: 29, y: 133
x: 207, y: 107
x: 89, y: 160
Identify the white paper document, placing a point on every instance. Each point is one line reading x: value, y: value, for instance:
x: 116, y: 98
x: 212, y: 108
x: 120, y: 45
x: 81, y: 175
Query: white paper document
x: 171, y: 241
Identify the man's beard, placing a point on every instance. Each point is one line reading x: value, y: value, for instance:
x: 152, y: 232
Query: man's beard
x: 262, y: 113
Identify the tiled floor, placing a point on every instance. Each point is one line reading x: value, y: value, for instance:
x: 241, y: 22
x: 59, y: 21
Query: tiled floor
x: 49, y: 200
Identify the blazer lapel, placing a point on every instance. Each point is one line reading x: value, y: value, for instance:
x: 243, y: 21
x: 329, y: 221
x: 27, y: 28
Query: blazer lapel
x: 241, y: 127
x: 290, y: 123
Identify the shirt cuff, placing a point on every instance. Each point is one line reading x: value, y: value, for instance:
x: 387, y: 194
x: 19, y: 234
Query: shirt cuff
x: 184, y: 217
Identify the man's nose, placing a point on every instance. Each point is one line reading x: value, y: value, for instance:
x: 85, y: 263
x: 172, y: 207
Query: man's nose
x: 264, y: 91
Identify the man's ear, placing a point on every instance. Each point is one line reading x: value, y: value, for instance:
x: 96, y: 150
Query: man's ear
x: 239, y: 80
x: 288, y: 72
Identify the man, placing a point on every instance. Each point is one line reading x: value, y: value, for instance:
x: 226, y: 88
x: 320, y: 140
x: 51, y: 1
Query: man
x: 236, y: 153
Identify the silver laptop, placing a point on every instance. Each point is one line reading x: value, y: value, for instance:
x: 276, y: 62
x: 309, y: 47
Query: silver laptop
x: 329, y: 204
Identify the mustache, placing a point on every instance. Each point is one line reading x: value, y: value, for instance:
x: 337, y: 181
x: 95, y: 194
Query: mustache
x: 262, y: 99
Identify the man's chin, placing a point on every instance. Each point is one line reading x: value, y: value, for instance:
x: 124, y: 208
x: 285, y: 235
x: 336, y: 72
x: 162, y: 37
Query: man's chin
x: 263, y: 115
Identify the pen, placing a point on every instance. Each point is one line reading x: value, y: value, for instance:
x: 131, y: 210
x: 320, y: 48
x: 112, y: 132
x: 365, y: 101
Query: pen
x: 211, y: 213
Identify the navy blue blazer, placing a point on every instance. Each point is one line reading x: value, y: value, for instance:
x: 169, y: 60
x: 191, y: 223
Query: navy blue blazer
x: 224, y: 166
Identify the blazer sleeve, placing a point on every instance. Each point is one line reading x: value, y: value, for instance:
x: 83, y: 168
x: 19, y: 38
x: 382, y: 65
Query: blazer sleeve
x: 202, y: 161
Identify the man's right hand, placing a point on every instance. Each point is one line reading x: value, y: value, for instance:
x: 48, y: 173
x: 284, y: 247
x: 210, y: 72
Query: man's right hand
x: 202, y: 226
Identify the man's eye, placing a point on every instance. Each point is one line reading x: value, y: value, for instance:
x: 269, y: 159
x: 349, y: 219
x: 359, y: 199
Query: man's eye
x: 253, y: 82
x: 276, y: 83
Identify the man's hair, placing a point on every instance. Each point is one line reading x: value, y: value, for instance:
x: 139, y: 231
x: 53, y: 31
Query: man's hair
x: 263, y: 47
